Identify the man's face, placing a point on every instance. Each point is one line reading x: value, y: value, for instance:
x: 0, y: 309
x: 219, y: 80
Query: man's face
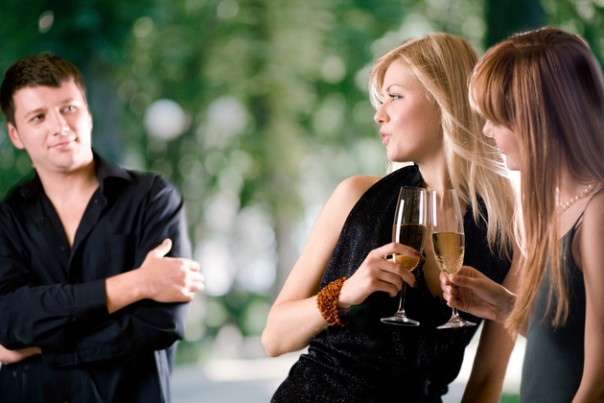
x: 54, y: 126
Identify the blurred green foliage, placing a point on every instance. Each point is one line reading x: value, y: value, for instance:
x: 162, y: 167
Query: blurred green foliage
x: 509, y: 398
x: 271, y: 109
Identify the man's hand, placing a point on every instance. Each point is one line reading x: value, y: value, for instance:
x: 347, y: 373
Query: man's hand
x: 160, y: 278
x: 167, y: 279
x: 8, y: 357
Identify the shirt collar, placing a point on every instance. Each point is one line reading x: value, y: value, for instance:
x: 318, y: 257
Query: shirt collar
x: 105, y: 171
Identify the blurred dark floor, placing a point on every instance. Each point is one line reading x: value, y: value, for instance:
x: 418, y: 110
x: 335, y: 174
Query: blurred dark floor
x: 254, y: 380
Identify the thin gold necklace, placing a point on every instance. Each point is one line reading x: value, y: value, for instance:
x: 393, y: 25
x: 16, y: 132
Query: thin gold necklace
x: 562, y: 207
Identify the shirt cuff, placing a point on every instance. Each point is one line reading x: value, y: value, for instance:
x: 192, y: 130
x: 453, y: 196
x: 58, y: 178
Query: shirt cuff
x: 91, y: 300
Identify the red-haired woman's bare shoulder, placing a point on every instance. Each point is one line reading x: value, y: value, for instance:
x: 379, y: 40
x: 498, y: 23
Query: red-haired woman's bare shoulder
x: 594, y: 211
x: 592, y: 232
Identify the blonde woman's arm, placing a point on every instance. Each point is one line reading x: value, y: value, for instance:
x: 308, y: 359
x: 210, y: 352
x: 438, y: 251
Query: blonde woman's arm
x: 294, y: 317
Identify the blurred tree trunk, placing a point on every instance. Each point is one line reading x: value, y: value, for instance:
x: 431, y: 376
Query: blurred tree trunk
x: 506, y: 17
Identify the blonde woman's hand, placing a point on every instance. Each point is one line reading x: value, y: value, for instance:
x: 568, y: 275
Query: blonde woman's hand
x: 378, y: 273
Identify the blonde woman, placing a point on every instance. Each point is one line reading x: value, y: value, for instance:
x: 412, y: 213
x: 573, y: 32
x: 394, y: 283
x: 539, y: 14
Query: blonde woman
x: 419, y: 90
x: 542, y: 93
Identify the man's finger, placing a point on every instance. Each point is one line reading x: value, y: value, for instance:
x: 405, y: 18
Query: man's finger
x: 163, y: 248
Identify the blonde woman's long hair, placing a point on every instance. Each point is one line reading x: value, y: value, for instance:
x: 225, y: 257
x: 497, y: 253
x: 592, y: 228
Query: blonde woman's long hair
x: 443, y: 64
x: 546, y: 87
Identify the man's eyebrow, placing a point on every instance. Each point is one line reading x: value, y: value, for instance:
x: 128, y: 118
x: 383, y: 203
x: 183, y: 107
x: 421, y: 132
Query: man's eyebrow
x: 34, y: 112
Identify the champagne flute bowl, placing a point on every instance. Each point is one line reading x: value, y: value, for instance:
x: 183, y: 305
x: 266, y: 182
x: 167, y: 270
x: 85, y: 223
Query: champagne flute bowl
x: 409, y: 228
x: 448, y: 241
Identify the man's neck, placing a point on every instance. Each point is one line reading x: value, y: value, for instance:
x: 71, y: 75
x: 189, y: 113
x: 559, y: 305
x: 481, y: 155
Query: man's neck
x: 70, y: 194
x: 70, y: 186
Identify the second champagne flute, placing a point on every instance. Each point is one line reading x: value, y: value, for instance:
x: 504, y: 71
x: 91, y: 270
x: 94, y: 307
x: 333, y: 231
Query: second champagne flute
x: 448, y: 243
x: 409, y: 228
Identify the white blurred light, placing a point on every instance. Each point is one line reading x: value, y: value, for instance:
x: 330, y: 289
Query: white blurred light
x: 46, y: 21
x: 165, y: 119
x: 216, y: 266
x: 333, y: 69
x: 227, y: 9
x: 227, y: 118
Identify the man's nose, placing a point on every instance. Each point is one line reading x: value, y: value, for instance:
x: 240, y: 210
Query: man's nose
x: 61, y: 124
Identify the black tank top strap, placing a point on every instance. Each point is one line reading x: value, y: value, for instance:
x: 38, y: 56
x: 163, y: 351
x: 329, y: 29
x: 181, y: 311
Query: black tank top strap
x: 579, y: 220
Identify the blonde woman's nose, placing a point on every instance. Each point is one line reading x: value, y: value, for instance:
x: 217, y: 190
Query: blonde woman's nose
x: 380, y: 117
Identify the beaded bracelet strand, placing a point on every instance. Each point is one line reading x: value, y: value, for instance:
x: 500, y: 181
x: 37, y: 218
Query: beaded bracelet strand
x: 327, y: 302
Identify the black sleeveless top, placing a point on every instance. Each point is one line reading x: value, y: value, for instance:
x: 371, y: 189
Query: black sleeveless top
x: 369, y: 361
x: 553, y: 360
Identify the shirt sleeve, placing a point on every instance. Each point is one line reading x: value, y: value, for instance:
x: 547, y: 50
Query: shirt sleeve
x: 70, y: 322
x: 31, y: 314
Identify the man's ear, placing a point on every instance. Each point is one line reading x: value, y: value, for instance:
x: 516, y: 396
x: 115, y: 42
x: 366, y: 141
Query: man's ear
x: 13, y: 135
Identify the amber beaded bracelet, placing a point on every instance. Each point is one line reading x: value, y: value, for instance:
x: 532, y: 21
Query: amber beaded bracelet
x: 327, y: 302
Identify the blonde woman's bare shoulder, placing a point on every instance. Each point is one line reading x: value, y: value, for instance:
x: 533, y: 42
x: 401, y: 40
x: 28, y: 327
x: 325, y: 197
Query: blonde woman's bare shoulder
x: 355, y: 186
x: 348, y: 192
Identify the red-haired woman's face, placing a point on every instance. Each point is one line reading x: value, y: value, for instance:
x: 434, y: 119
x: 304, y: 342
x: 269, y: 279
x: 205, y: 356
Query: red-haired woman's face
x: 507, y: 143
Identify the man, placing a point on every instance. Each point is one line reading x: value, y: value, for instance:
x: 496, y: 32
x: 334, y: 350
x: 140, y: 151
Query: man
x: 91, y: 304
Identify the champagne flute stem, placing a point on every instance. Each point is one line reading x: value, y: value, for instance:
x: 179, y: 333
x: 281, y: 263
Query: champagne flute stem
x: 401, y: 301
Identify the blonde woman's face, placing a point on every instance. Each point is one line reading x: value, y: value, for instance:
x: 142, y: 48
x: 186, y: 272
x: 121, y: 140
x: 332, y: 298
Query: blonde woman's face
x: 507, y: 143
x: 410, y: 124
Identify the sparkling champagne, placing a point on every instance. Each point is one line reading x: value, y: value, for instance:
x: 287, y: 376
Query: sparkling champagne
x: 448, y: 250
x: 412, y: 235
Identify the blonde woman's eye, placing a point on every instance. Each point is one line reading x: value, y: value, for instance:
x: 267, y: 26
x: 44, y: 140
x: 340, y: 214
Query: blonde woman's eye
x: 395, y: 96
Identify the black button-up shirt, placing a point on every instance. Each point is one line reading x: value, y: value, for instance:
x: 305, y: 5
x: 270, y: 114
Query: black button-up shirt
x: 53, y: 295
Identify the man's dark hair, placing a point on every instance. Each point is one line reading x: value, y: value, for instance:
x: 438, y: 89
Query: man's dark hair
x: 43, y: 69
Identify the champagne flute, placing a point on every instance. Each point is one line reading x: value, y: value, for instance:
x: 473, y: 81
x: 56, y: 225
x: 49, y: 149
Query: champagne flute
x: 409, y: 228
x: 446, y: 225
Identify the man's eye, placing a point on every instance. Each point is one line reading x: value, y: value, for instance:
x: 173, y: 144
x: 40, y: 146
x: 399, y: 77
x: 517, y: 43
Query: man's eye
x: 70, y: 108
x: 37, y: 118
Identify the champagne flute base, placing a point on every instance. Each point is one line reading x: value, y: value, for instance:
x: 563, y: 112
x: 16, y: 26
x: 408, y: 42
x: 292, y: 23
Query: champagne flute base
x: 455, y: 322
x: 400, y: 319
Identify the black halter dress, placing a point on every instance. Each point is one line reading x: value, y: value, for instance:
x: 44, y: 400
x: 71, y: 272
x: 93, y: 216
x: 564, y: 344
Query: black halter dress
x: 369, y: 361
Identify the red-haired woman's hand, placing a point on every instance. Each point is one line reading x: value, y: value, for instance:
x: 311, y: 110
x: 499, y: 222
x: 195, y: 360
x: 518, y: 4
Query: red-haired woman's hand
x: 471, y: 291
